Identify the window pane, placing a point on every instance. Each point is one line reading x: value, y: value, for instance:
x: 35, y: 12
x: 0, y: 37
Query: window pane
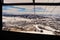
x: 45, y: 19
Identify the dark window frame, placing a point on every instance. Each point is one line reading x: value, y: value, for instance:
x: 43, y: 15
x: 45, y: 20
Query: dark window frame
x: 53, y: 4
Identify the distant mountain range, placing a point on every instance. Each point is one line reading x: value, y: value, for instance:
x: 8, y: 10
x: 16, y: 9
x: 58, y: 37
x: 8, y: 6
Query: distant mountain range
x: 31, y: 16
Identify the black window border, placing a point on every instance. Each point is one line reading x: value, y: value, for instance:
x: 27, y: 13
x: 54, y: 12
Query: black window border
x: 53, y: 4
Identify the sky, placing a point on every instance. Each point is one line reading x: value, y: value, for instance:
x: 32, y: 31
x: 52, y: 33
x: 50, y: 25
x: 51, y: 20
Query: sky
x: 16, y: 1
x: 29, y: 9
x: 47, y: 1
x: 27, y: 1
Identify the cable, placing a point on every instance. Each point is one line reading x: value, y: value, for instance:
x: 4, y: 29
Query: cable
x: 51, y: 16
x: 48, y: 1
x: 54, y: 18
x: 52, y: 9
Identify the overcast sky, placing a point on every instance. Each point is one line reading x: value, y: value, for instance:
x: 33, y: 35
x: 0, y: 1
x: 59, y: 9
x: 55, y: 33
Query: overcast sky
x: 30, y: 9
x: 17, y: 1
x: 21, y: 1
x: 47, y: 0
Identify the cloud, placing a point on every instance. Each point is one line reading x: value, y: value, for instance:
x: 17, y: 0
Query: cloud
x: 22, y: 9
x: 30, y: 9
x: 6, y: 7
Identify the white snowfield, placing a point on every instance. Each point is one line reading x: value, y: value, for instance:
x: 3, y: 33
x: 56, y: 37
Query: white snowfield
x: 14, y: 19
x: 7, y: 19
x: 45, y: 27
x: 32, y: 32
